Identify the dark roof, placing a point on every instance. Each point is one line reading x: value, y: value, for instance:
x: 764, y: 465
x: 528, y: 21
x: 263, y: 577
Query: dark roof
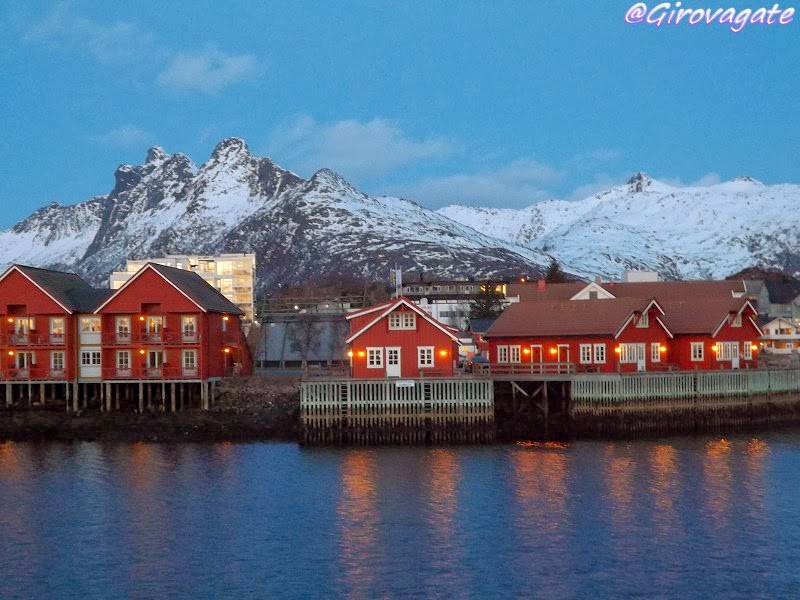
x: 67, y: 288
x: 480, y: 325
x: 565, y: 317
x: 198, y: 289
x: 782, y: 292
x: 660, y: 290
x: 700, y: 316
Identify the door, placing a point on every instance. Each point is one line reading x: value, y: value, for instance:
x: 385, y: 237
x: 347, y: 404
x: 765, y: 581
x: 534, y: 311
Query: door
x: 563, y: 357
x: 393, y: 362
x: 537, y: 357
x: 734, y: 355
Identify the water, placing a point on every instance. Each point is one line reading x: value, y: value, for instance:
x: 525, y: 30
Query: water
x: 678, y: 518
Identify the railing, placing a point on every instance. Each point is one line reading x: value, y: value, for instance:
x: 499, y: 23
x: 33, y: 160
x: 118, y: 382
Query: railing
x: 35, y: 339
x: 543, y: 368
x: 33, y: 373
x: 162, y: 338
x: 163, y: 372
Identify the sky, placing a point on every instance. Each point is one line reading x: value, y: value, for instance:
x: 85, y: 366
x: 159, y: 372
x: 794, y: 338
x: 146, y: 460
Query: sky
x: 502, y: 103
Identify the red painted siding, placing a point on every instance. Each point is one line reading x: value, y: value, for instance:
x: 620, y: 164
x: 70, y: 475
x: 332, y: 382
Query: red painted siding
x: 425, y: 334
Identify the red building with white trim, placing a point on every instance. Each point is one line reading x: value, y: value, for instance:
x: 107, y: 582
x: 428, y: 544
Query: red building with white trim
x: 625, y: 327
x: 398, y: 339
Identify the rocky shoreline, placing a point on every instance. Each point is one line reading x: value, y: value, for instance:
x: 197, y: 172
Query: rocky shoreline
x: 252, y: 409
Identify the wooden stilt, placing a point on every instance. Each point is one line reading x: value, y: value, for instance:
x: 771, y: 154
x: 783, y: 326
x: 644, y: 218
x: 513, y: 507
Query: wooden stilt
x: 9, y: 394
x: 172, y: 397
x: 41, y: 393
x: 141, y: 397
x: 180, y: 391
x: 75, y: 394
x: 149, y: 397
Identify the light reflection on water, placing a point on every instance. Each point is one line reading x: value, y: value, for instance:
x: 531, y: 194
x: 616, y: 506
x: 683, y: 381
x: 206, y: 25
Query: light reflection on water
x: 677, y: 518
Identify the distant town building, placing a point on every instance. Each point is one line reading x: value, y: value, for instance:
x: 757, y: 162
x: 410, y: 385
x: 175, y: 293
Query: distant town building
x: 448, y: 301
x: 233, y: 275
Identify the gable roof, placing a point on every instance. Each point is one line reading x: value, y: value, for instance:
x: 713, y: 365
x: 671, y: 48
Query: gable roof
x: 67, y: 290
x: 703, y: 316
x: 382, y: 310
x: 569, y: 318
x: 190, y: 284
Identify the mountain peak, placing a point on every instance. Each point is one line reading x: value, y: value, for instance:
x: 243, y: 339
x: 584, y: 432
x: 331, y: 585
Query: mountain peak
x: 747, y: 179
x: 639, y: 182
x: 331, y: 179
x: 156, y: 154
x: 230, y: 147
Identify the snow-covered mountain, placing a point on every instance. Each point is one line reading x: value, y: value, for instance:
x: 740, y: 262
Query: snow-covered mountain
x: 311, y: 230
x: 301, y: 230
x: 681, y: 232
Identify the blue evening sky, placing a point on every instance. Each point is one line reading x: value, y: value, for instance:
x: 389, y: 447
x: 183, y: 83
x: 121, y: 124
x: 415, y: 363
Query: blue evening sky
x: 499, y: 103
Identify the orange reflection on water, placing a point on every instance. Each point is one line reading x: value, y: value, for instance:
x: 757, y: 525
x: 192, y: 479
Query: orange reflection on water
x: 540, y: 482
x: 665, y: 488
x: 9, y: 460
x: 718, y: 480
x: 358, y: 522
x: 444, y: 477
x: 619, y: 479
x: 755, y: 455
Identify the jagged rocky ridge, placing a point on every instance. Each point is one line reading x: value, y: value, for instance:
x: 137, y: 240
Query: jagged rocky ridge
x: 681, y: 232
x: 301, y: 230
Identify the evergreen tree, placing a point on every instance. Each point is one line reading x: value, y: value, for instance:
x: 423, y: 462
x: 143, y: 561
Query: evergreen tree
x: 487, y: 304
x: 554, y: 273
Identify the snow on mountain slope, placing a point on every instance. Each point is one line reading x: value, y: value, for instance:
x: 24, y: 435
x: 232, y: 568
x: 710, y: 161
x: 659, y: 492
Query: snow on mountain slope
x: 301, y: 230
x: 681, y: 232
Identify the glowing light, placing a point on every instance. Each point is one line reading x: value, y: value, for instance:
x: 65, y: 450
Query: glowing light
x: 141, y: 317
x: 714, y: 348
x: 618, y: 350
x: 226, y: 350
x: 142, y: 351
x: 350, y: 353
x: 224, y: 317
x: 10, y: 319
x: 553, y: 351
x: 442, y: 352
x: 11, y: 353
x: 522, y: 280
x: 753, y: 347
x: 662, y: 348
x: 361, y: 354
x: 526, y: 351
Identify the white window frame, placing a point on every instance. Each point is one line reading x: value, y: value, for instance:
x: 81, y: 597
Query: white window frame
x: 57, y: 360
x: 600, y: 354
x: 57, y: 329
x: 186, y: 360
x: 402, y: 320
x: 502, y: 354
x: 90, y: 358
x: 655, y: 352
x: 123, y: 359
x: 90, y: 325
x: 736, y: 320
x: 725, y: 350
x: 24, y: 360
x: 374, y: 358
x: 122, y: 327
x: 697, y: 351
x: 629, y: 354
x: 515, y: 354
x: 585, y: 354
x: 425, y: 357
x: 643, y: 322
x: 189, y: 326
x: 747, y: 351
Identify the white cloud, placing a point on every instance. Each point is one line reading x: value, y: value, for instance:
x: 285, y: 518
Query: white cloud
x: 207, y: 71
x: 353, y: 148
x: 125, y: 43
x: 124, y: 136
x: 121, y: 42
x: 704, y: 181
x: 517, y: 184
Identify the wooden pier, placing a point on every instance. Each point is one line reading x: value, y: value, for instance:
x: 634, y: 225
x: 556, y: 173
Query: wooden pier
x: 397, y: 411
x: 511, y: 405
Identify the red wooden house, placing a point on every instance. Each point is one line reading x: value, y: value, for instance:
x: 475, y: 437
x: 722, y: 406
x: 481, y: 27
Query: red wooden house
x: 167, y: 323
x: 628, y: 327
x: 40, y: 312
x: 398, y: 339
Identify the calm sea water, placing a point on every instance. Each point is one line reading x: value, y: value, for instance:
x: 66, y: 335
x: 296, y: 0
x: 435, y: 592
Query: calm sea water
x: 675, y: 519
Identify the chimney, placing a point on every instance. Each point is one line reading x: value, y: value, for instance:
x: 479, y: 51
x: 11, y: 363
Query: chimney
x: 598, y: 280
x: 541, y: 285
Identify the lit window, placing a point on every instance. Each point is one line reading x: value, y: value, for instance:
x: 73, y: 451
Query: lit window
x: 189, y: 359
x: 631, y: 353
x: 402, y: 320
x: 123, y: 359
x: 90, y: 324
x: 57, y: 361
x: 57, y: 325
x: 697, y: 351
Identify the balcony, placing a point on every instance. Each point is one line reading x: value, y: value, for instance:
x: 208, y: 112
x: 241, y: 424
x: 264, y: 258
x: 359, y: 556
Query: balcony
x: 33, y: 338
x: 165, y: 371
x: 33, y: 373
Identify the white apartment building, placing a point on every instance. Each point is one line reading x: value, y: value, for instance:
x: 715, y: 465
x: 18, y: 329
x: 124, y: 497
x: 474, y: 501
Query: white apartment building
x: 232, y: 274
